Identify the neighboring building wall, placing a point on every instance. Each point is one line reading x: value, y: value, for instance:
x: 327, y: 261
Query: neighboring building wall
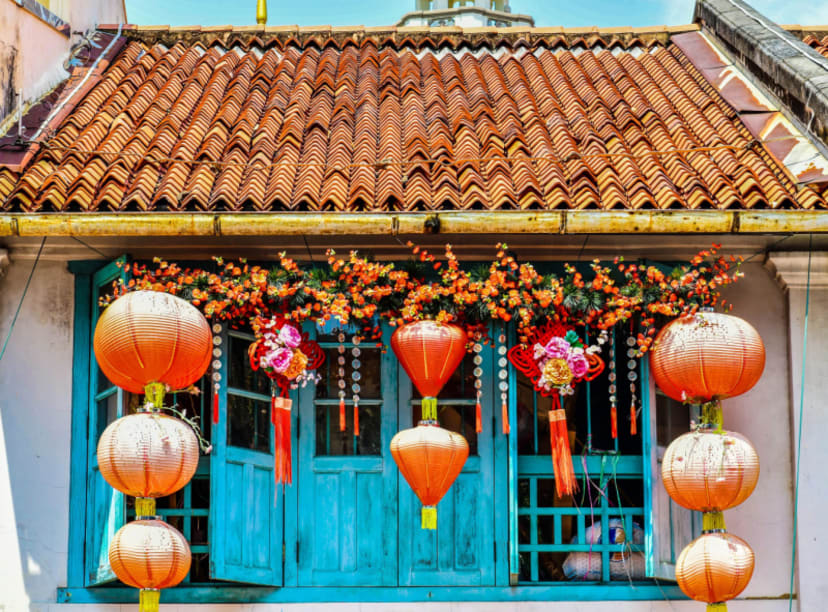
x: 32, y: 52
x: 35, y: 413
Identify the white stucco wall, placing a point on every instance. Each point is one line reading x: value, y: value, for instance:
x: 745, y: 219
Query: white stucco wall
x: 35, y: 405
x: 35, y: 416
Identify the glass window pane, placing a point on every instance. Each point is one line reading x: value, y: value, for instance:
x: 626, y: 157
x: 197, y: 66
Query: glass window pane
x: 241, y: 375
x: 200, y: 568
x: 107, y: 412
x: 196, y: 406
x: 248, y: 423
x: 370, y: 370
x: 331, y: 441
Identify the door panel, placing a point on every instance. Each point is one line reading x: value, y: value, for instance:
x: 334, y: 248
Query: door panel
x: 460, y: 552
x: 347, y: 508
x: 246, y: 518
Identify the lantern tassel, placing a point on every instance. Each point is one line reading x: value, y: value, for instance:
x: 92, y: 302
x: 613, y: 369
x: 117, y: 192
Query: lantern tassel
x: 504, y: 416
x: 149, y: 600
x: 215, y: 407
x: 717, y: 607
x: 282, y: 470
x: 713, y: 521
x: 356, y: 419
x: 478, y: 418
x: 565, y: 483
x: 342, y: 414
x: 614, y: 422
x: 429, y: 409
x: 633, y: 421
x: 144, y: 507
x: 429, y: 517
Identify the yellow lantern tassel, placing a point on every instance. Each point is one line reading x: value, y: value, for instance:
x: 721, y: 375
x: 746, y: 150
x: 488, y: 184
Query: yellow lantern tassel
x: 429, y: 517
x: 154, y: 393
x: 717, y: 607
x: 713, y: 521
x: 144, y: 506
x: 149, y: 600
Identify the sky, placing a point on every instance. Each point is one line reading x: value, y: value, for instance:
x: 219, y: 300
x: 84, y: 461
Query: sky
x: 567, y: 13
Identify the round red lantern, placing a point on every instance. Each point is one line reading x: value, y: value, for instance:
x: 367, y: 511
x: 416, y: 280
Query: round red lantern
x: 709, y: 471
x: 148, y: 337
x: 429, y: 352
x: 148, y: 454
x: 430, y: 458
x: 149, y: 555
x: 714, y: 568
x: 707, y: 356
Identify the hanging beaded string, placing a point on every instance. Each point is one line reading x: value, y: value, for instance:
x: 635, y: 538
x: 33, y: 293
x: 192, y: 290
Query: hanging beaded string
x: 356, y: 377
x: 478, y: 384
x: 503, y: 375
x: 341, y: 379
x: 216, y: 375
x: 632, y: 376
x: 612, y: 389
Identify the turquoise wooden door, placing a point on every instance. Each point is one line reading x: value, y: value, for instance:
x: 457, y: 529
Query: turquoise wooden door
x: 347, y: 484
x: 461, y: 551
x: 246, y: 520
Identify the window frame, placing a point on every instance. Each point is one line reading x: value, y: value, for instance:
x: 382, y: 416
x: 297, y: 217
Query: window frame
x: 505, y: 450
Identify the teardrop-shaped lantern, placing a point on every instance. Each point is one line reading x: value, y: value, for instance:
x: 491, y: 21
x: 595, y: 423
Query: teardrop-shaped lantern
x: 430, y: 458
x: 707, y: 356
x: 430, y: 352
x: 149, y: 555
x: 148, y: 337
x: 709, y: 471
x: 715, y: 567
x: 148, y: 454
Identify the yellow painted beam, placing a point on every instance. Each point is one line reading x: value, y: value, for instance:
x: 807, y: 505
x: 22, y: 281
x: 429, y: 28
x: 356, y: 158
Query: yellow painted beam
x: 448, y: 223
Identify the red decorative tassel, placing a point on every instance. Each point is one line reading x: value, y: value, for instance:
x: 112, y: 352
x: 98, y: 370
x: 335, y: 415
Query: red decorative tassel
x: 565, y: 483
x: 356, y: 419
x: 478, y: 419
x: 342, y: 414
x: 215, y: 407
x: 614, y: 421
x: 633, y: 421
x: 280, y: 417
x: 504, y: 415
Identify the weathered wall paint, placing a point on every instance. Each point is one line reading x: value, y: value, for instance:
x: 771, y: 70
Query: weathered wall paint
x: 32, y: 52
x: 35, y: 390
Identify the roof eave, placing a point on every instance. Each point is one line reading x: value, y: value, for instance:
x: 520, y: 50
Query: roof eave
x: 743, y: 222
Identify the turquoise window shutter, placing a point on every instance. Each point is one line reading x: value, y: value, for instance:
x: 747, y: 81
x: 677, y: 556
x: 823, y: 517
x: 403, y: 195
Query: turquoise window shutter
x: 245, y: 524
x: 669, y: 527
x: 105, y: 512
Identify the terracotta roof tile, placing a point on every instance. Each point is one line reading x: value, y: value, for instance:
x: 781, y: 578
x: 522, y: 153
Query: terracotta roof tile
x: 323, y: 119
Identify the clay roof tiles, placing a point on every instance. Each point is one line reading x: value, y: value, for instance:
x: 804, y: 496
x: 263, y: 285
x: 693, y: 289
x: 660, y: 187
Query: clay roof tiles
x: 388, y: 119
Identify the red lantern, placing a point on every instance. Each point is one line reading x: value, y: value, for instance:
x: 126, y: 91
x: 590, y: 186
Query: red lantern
x: 714, y: 568
x: 707, y: 356
x: 148, y: 337
x: 149, y: 555
x: 429, y: 352
x: 430, y: 458
x: 148, y: 455
x: 709, y: 471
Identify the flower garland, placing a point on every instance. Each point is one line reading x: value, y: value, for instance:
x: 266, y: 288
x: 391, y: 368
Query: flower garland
x: 359, y: 291
x: 562, y: 360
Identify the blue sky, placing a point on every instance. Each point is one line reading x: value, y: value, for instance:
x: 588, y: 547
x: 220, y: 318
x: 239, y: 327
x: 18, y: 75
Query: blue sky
x: 606, y: 13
